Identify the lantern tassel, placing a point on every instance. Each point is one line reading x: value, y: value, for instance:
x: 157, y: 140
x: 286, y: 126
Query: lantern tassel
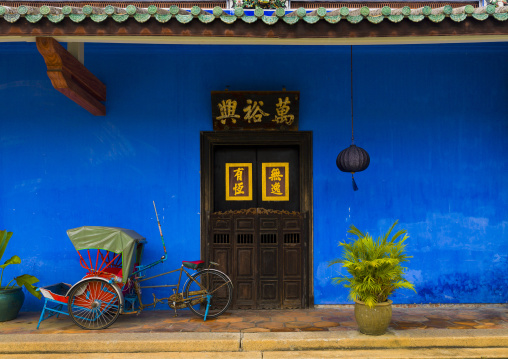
x: 355, y: 187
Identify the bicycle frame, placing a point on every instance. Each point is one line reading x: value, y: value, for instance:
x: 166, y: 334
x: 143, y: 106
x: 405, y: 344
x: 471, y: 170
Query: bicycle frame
x: 176, y: 300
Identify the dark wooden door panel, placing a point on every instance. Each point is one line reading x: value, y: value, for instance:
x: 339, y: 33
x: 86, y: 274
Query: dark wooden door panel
x: 292, y: 262
x: 292, y: 294
x: 245, y: 262
x: 268, y: 262
x: 266, y: 256
x: 245, y: 224
x: 245, y: 294
x: 223, y: 257
x: 269, y: 297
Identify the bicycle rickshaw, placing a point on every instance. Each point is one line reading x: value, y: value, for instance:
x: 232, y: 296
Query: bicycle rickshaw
x: 112, y: 285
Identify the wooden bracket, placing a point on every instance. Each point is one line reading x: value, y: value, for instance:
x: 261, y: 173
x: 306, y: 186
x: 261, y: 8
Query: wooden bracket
x: 71, y: 77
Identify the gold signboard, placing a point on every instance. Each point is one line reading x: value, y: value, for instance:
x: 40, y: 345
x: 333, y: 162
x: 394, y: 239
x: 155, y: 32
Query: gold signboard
x: 255, y: 110
x: 238, y: 181
x: 275, y: 181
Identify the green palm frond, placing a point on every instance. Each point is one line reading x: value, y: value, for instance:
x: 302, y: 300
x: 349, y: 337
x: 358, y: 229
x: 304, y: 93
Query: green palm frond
x: 374, y: 266
x: 4, y: 240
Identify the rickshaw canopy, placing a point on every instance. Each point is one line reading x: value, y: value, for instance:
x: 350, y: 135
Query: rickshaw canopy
x: 117, y: 240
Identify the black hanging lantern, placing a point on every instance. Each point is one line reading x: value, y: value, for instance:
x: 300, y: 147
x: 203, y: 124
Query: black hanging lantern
x: 353, y: 159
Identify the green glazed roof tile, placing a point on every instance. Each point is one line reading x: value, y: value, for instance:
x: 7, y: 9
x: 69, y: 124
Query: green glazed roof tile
x: 290, y: 20
x: 174, y: 10
x: 239, y: 12
x: 81, y: 17
x: 332, y: 19
x: 205, y: 19
x: 353, y: 15
x: 11, y: 17
x: 44, y: 10
x: 120, y: 17
x: 458, y: 17
x: 33, y: 18
x: 142, y: 17
x: 375, y: 19
x: 395, y: 18
x: 321, y: 12
x: 386, y: 10
x: 185, y: 19
x: 501, y: 17
x: 249, y: 19
x: 162, y: 18
x: 152, y: 9
x: 416, y: 18
x: 55, y: 18
x: 481, y: 17
x: 311, y: 19
x: 354, y: 19
x: 228, y: 19
x: 406, y: 11
x: 437, y: 18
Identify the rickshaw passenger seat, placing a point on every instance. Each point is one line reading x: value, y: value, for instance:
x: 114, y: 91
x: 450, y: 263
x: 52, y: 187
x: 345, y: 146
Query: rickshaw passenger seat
x: 194, y: 264
x: 114, y: 271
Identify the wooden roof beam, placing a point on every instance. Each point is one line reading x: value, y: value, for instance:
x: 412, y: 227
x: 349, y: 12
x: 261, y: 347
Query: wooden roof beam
x: 71, y: 77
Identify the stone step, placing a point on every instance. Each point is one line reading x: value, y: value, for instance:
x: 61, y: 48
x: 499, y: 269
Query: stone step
x: 295, y: 342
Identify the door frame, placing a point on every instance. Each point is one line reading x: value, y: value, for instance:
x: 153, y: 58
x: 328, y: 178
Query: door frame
x: 301, y: 139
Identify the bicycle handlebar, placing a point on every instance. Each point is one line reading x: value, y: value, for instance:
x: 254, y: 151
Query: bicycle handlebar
x: 160, y: 229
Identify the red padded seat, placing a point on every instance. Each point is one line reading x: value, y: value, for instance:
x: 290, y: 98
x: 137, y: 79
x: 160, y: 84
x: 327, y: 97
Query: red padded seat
x: 194, y: 264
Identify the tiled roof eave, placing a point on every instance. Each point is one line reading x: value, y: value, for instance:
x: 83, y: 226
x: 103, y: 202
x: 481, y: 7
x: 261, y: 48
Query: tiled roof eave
x: 268, y: 17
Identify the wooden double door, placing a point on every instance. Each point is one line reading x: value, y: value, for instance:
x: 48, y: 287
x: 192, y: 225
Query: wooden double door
x: 263, y: 252
x: 261, y: 240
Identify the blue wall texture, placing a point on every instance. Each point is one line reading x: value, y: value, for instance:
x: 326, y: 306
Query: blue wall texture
x: 432, y: 117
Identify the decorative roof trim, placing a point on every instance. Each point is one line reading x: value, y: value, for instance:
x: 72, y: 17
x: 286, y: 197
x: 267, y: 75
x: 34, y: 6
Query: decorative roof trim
x: 269, y: 17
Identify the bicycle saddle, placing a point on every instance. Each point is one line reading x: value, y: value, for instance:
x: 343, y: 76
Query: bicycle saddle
x: 194, y: 264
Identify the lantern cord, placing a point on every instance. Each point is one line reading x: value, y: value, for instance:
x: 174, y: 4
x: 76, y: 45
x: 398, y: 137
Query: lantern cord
x: 355, y: 187
x: 352, y: 128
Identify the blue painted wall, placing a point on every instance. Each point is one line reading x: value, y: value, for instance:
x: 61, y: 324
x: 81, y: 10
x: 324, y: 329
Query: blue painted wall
x: 432, y: 117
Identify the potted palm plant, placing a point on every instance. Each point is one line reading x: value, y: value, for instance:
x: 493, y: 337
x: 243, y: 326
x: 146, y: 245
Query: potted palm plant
x: 11, y: 295
x: 375, y: 272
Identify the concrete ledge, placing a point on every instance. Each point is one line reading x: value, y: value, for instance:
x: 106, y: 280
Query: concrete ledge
x: 252, y: 342
x: 119, y: 343
x: 435, y: 353
x: 445, y: 338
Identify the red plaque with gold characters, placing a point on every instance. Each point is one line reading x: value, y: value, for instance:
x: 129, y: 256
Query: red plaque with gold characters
x: 275, y: 181
x: 238, y: 181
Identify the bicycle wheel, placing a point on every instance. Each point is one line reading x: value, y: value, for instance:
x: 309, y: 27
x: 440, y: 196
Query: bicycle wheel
x: 94, y: 304
x: 213, y: 283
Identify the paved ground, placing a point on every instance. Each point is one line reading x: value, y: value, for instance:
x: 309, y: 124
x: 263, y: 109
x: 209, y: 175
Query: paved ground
x: 248, y: 321
x: 415, y: 332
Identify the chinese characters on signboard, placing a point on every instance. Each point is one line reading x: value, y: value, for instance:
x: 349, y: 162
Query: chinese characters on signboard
x: 238, y: 110
x: 275, y: 181
x: 238, y: 181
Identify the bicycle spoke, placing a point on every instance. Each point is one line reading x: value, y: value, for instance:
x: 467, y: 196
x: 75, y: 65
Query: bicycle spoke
x: 97, y: 305
x: 216, y: 285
